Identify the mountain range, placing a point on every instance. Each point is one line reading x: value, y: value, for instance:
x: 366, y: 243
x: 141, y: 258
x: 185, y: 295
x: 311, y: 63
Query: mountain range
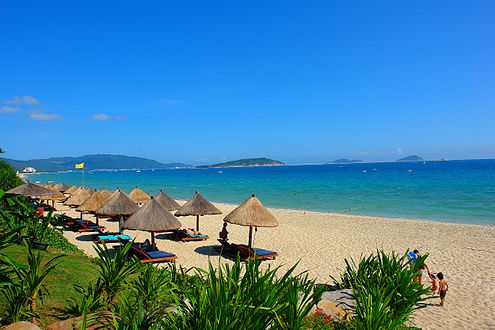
x: 92, y: 162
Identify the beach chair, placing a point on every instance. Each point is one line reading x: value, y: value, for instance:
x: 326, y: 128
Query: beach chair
x: 113, y: 238
x: 85, y: 227
x: 246, y: 252
x: 146, y: 256
x: 185, y: 235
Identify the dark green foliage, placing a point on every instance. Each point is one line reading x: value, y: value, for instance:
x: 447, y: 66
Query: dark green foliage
x: 8, y: 178
x: 27, y: 286
x: 384, y: 290
x: 244, y: 294
x: 114, y: 270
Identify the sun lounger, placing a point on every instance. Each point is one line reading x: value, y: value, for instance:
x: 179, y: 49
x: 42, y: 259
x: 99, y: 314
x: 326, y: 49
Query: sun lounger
x: 113, y: 238
x: 250, y: 253
x: 151, y: 256
x: 88, y: 227
x: 185, y: 235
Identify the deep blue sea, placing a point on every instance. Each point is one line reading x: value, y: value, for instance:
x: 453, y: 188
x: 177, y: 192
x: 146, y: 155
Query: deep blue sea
x: 454, y: 191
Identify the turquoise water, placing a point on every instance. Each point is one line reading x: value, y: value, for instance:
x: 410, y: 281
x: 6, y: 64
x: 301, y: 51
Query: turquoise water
x: 455, y: 191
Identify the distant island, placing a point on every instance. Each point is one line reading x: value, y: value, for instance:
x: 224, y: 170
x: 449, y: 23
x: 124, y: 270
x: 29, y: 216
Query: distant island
x: 91, y: 162
x: 344, y: 161
x: 412, y: 158
x: 247, y: 162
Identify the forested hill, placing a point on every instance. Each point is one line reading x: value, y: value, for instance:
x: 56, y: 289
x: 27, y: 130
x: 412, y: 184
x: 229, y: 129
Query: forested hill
x: 247, y: 162
x: 92, y: 162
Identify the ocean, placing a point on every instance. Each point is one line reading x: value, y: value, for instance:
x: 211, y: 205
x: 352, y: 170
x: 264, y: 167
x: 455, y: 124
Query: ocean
x: 454, y: 191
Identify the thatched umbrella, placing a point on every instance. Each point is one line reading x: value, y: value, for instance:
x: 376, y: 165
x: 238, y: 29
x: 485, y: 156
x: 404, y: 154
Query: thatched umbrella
x: 105, y: 194
x: 90, y: 190
x: 154, y: 218
x: 61, y: 187
x: 31, y: 190
x: 118, y: 205
x: 251, y: 214
x: 71, y: 190
x: 139, y: 196
x: 197, y: 206
x: 77, y: 198
x: 167, y: 202
x: 92, y: 204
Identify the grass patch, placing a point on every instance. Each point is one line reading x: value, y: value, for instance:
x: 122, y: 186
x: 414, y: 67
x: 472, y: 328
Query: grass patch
x: 74, y: 268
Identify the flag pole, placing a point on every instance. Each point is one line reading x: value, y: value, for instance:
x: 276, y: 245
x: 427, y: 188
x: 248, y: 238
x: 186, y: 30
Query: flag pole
x: 83, y: 177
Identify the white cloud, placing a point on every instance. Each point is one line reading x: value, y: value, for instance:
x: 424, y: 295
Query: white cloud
x: 41, y: 116
x: 101, y: 116
x: 104, y: 116
x: 399, y: 151
x: 8, y: 109
x: 18, y: 100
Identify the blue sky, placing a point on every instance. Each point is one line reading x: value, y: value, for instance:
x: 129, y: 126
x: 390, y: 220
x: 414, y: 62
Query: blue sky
x: 206, y: 81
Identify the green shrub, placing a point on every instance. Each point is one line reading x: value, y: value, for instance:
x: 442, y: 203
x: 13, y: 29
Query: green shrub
x: 385, y: 292
x: 8, y: 177
x: 242, y: 295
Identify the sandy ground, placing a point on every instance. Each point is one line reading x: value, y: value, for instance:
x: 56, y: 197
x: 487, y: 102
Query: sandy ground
x: 321, y: 241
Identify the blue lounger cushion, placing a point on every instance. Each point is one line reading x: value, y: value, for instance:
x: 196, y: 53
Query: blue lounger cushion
x: 114, y: 237
x: 196, y: 236
x: 159, y: 254
x: 262, y: 252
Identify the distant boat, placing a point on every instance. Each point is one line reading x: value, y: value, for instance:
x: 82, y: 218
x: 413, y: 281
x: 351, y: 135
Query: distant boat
x: 138, y: 171
x: 220, y: 172
x: 364, y: 171
x: 410, y: 171
x: 375, y: 169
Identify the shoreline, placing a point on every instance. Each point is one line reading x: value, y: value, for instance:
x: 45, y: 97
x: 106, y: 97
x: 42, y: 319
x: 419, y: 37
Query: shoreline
x: 320, y: 242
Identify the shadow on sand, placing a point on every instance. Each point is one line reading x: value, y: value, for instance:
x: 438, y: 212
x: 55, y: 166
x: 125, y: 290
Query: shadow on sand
x: 86, y: 238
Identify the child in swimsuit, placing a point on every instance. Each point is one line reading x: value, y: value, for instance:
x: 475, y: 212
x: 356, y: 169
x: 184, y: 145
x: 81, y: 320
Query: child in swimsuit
x: 433, y: 282
x: 443, y: 288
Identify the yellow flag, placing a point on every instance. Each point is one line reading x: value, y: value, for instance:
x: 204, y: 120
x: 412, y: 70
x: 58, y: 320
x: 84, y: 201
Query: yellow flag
x: 80, y: 165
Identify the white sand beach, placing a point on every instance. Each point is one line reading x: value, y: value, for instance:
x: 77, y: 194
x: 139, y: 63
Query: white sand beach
x: 321, y: 241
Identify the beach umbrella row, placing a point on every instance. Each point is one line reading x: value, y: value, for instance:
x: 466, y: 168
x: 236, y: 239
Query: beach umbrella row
x: 31, y: 190
x: 118, y: 205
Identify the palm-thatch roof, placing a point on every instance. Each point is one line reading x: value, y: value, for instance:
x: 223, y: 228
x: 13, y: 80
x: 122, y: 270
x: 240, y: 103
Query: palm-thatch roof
x: 90, y: 190
x: 57, y: 195
x: 197, y: 205
x: 32, y: 190
x: 152, y: 217
x: 118, y: 204
x: 105, y: 194
x: 71, y: 190
x: 166, y: 201
x: 61, y: 187
x: 251, y: 213
x: 139, y: 196
x: 92, y: 204
x: 77, y: 198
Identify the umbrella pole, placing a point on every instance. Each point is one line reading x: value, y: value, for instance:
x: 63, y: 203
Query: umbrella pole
x: 152, y: 238
x: 97, y: 220
x: 81, y: 214
x: 250, y: 236
x: 197, y: 223
x: 120, y: 224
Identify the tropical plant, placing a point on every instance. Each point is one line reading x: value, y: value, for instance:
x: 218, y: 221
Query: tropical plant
x: 8, y: 177
x: 244, y: 294
x: 88, y: 300
x: 27, y: 284
x: 384, y: 289
x: 114, y: 271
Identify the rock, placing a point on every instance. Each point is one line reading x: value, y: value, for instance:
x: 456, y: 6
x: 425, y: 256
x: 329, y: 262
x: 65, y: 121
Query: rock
x: 73, y: 323
x: 338, y: 303
x: 22, y: 326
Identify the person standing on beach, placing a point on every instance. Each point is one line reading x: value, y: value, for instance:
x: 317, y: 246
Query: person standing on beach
x: 413, y: 257
x: 443, y: 287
